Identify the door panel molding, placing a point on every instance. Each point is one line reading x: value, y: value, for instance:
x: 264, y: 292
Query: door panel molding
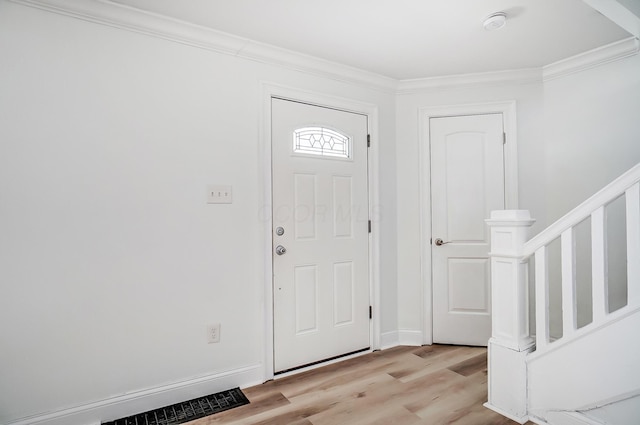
x: 508, y: 111
x: 270, y: 90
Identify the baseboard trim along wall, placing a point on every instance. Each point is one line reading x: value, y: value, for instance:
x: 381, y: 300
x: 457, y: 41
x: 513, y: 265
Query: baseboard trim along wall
x: 144, y: 400
x: 389, y: 340
x: 408, y: 337
x: 401, y: 337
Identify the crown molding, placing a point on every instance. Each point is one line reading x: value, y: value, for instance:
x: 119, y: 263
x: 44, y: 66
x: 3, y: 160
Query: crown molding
x: 574, y: 64
x: 483, y: 79
x: 131, y: 19
x: 591, y: 59
x: 128, y: 18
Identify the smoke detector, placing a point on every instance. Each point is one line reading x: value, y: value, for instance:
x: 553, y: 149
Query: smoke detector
x: 495, y: 21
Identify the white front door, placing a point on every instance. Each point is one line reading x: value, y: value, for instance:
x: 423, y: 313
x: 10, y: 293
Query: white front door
x: 467, y: 183
x: 320, y: 233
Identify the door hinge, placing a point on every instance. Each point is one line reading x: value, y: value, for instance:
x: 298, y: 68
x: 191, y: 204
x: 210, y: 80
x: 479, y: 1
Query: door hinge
x: 368, y: 140
x: 369, y: 226
x: 370, y: 312
x: 504, y: 138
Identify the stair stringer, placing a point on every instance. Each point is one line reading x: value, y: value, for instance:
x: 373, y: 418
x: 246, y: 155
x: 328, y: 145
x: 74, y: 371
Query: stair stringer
x: 625, y: 411
x: 592, y: 370
x: 568, y: 418
x: 619, y: 412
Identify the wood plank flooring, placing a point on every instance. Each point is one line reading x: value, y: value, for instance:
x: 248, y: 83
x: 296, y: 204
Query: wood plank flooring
x: 434, y: 385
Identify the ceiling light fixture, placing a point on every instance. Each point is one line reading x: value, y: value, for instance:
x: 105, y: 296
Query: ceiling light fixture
x: 495, y: 21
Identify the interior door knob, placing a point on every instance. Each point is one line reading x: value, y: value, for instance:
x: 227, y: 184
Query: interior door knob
x: 280, y: 250
x: 439, y: 242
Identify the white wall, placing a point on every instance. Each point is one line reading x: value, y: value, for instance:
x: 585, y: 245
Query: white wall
x: 592, y: 131
x: 111, y: 262
x: 592, y: 135
x: 528, y: 99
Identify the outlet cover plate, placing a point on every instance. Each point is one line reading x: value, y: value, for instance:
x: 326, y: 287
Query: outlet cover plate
x: 213, y: 333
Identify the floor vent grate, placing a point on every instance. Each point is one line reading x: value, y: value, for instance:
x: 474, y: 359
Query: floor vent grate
x: 186, y: 411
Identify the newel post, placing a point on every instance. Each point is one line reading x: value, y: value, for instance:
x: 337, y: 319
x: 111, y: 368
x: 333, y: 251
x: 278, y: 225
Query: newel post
x: 510, y: 340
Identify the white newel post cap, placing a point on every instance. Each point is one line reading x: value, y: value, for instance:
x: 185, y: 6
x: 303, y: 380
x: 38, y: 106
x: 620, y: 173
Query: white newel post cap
x: 510, y: 218
x: 509, y: 231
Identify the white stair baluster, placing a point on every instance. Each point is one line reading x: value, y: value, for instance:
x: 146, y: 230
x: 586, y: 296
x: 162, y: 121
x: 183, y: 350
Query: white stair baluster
x: 569, y: 306
x: 633, y: 244
x: 599, y: 265
x: 542, y: 297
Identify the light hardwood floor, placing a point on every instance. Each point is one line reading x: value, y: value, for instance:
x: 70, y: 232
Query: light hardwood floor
x: 432, y: 385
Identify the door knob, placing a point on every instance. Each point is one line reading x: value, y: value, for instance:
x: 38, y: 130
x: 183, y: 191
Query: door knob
x: 280, y: 250
x: 440, y: 242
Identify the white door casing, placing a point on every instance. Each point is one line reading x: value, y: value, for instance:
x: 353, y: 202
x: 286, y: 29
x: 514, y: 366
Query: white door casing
x: 321, y: 283
x: 467, y: 183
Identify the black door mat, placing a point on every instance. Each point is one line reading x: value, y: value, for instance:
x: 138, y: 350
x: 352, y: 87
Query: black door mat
x: 186, y: 411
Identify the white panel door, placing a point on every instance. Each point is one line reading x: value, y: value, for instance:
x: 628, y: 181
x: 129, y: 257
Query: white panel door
x: 320, y: 233
x: 467, y: 183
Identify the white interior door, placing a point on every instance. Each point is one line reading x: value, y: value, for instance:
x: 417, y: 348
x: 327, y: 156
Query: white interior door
x: 320, y: 233
x: 467, y: 183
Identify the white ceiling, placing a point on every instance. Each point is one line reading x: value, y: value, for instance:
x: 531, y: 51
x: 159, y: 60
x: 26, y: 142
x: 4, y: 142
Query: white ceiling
x: 406, y: 39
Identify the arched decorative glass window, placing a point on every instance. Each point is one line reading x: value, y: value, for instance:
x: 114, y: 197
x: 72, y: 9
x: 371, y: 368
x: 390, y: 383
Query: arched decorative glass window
x: 321, y: 141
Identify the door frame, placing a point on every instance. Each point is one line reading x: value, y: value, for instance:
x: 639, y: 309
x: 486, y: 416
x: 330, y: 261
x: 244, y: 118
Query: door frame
x: 270, y: 90
x: 508, y: 111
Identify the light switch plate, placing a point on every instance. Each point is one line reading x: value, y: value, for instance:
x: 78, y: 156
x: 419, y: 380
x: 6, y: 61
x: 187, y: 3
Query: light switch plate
x: 219, y: 194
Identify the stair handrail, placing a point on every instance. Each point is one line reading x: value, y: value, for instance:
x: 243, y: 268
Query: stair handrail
x: 604, y: 196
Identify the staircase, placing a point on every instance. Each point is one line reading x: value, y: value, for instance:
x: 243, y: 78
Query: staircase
x: 587, y: 373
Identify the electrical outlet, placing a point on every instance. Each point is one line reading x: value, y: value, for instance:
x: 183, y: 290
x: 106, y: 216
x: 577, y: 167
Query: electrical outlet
x: 213, y: 333
x: 217, y: 194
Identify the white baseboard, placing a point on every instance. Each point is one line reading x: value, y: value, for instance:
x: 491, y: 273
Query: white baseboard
x: 401, y: 337
x: 407, y: 337
x: 389, y: 340
x: 149, y: 399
